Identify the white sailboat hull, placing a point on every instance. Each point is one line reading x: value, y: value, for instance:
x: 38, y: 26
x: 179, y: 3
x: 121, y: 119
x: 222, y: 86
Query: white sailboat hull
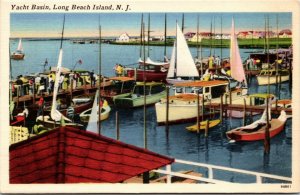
x: 263, y: 79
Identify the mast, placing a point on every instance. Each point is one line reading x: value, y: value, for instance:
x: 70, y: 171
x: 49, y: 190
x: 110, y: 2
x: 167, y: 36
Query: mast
x: 277, y: 47
x: 165, y: 49
x: 176, y: 44
x: 210, y: 38
x: 144, y: 79
x: 141, y: 36
x: 268, y: 56
x: 197, y: 34
x: 148, y: 42
x: 265, y: 39
x: 221, y: 39
x: 214, y: 35
x: 99, y: 86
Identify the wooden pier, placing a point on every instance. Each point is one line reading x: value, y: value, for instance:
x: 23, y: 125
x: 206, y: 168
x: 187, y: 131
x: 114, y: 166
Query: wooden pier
x: 241, y: 107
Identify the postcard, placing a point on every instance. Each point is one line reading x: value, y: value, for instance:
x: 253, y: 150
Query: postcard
x: 149, y: 96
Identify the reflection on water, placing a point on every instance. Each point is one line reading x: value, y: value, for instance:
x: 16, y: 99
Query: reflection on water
x: 177, y: 142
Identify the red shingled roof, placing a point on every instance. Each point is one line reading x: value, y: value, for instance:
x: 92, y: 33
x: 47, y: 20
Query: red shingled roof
x: 69, y: 155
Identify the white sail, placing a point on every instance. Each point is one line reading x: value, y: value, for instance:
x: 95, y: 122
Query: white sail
x: 171, y: 70
x: 55, y: 114
x: 182, y: 58
x: 185, y: 65
x: 94, y: 117
x: 20, y: 47
x: 236, y: 65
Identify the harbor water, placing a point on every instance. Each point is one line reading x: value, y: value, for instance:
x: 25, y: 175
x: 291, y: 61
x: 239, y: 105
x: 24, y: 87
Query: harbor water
x: 177, y: 142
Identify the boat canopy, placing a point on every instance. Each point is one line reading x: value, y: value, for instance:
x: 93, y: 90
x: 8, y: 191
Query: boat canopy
x: 150, y: 62
x: 201, y: 83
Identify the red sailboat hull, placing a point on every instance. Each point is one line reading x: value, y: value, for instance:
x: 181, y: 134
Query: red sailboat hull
x: 239, y: 135
x: 149, y: 75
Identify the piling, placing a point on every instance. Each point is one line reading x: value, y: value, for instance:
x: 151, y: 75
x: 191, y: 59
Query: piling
x: 267, y: 132
x: 167, y: 109
x: 135, y: 73
x: 221, y: 109
x: 202, y: 108
x: 206, y: 128
x: 117, y: 125
x: 251, y: 114
x: 244, y: 116
x: 198, y: 112
x: 146, y: 177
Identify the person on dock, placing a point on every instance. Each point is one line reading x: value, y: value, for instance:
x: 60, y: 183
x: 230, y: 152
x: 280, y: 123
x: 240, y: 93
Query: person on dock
x: 210, y: 62
x: 218, y: 61
x: 92, y: 78
x: 19, y: 83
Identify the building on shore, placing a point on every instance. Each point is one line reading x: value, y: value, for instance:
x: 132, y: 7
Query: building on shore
x: 286, y: 33
x: 123, y: 38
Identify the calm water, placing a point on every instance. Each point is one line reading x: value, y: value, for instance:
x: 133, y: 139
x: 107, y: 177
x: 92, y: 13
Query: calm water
x: 178, y: 143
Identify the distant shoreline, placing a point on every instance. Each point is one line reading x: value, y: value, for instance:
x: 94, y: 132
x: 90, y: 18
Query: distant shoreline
x: 216, y: 43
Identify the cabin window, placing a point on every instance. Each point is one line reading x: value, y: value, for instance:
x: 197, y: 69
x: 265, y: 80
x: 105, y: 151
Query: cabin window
x: 179, y: 90
x: 206, y: 89
x: 259, y: 101
x: 157, y: 89
x: 217, y: 91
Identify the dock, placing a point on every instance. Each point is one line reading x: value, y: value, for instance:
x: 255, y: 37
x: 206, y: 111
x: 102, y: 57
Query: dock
x: 248, y: 108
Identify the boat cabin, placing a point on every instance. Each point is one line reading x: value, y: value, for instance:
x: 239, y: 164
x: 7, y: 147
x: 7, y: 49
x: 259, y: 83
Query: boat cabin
x: 272, y: 72
x: 150, y: 88
x: 209, y: 89
x: 260, y: 98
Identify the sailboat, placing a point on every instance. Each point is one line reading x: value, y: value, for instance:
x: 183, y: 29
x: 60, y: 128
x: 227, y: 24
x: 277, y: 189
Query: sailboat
x: 18, y: 54
x: 182, y: 66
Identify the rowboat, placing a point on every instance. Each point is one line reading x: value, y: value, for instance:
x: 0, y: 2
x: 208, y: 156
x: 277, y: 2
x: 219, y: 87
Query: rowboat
x: 203, y: 125
x: 105, y: 110
x: 267, y: 77
x: 256, y: 130
x: 154, y: 92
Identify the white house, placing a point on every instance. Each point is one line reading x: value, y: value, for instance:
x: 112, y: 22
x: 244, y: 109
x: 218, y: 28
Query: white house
x: 123, y: 38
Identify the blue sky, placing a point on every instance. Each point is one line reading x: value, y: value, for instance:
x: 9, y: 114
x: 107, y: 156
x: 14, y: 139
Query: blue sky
x: 114, y: 24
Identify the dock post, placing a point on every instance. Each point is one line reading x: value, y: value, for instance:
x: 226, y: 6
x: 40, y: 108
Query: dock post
x: 206, y: 128
x: 221, y: 109
x: 267, y: 132
x: 117, y: 125
x: 167, y: 109
x: 71, y: 87
x: 244, y: 116
x: 202, y: 108
x: 198, y: 112
x: 146, y: 177
x: 251, y: 114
